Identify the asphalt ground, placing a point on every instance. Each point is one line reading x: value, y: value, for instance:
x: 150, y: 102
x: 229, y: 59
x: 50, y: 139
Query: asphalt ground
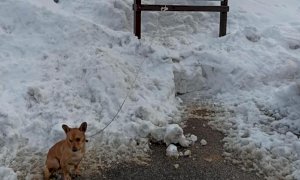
x: 205, y: 162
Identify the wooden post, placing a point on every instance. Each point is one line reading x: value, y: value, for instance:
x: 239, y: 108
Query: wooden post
x: 223, y: 20
x: 137, y: 18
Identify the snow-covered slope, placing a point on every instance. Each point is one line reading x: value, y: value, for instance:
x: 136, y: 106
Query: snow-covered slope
x: 59, y: 66
x: 76, y: 60
x: 253, y: 72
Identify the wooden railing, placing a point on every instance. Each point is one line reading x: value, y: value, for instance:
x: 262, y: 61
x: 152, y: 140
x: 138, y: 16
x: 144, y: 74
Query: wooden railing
x: 138, y: 7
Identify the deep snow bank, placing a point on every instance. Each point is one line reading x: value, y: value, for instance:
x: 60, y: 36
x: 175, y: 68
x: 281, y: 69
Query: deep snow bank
x: 66, y: 64
x: 253, y: 72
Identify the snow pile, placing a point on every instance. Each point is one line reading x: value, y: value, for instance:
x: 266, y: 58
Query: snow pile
x: 174, y: 134
x: 61, y: 65
x: 253, y: 73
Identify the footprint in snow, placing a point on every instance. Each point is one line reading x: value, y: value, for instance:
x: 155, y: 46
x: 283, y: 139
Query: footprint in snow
x: 251, y: 34
x: 294, y: 45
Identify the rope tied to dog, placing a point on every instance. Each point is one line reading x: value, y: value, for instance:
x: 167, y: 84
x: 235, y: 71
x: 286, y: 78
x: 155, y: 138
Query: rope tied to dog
x: 122, y: 104
x: 132, y: 84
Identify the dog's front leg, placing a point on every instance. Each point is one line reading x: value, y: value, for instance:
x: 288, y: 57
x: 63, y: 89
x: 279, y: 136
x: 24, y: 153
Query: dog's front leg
x: 67, y: 175
x: 66, y: 171
x: 77, y: 170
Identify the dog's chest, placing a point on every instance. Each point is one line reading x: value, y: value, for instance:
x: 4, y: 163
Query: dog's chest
x: 76, y: 158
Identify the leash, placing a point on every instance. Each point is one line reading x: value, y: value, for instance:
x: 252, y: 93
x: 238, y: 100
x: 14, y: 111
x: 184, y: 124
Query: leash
x: 127, y: 95
x: 121, y: 106
x: 131, y: 86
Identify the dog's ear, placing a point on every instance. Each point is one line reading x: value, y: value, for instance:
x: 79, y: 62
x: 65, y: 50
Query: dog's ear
x: 83, y: 127
x: 66, y: 128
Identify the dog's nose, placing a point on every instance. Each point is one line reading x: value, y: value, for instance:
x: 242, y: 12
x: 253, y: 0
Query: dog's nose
x: 74, y: 149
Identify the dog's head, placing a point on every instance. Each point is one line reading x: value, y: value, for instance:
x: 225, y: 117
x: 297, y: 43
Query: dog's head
x: 75, y: 136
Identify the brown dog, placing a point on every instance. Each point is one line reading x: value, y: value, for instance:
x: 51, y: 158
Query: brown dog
x: 67, y: 153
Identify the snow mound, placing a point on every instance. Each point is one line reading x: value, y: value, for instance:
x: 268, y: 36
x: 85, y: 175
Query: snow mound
x: 67, y: 63
x: 174, y: 134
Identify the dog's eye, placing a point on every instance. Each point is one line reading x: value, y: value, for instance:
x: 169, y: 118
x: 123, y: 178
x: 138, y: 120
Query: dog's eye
x: 77, y: 139
x: 70, y: 140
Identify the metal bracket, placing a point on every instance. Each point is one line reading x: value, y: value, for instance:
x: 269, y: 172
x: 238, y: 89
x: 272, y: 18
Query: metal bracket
x: 164, y: 8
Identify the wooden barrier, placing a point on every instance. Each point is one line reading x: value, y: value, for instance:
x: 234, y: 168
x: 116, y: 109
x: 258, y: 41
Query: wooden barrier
x: 138, y: 7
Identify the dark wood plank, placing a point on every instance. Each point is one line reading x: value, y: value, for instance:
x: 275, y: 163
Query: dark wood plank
x: 148, y: 7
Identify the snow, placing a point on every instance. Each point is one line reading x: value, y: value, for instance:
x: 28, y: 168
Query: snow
x: 203, y: 142
x: 174, y: 134
x: 76, y: 61
x: 7, y: 174
x: 191, y: 138
x: 187, y: 153
x: 172, y: 151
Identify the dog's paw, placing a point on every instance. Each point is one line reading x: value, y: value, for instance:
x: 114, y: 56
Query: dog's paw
x: 67, y: 177
x: 55, y: 176
x: 76, y: 175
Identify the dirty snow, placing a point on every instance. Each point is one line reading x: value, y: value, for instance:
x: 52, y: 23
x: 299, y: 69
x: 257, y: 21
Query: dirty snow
x: 76, y: 60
